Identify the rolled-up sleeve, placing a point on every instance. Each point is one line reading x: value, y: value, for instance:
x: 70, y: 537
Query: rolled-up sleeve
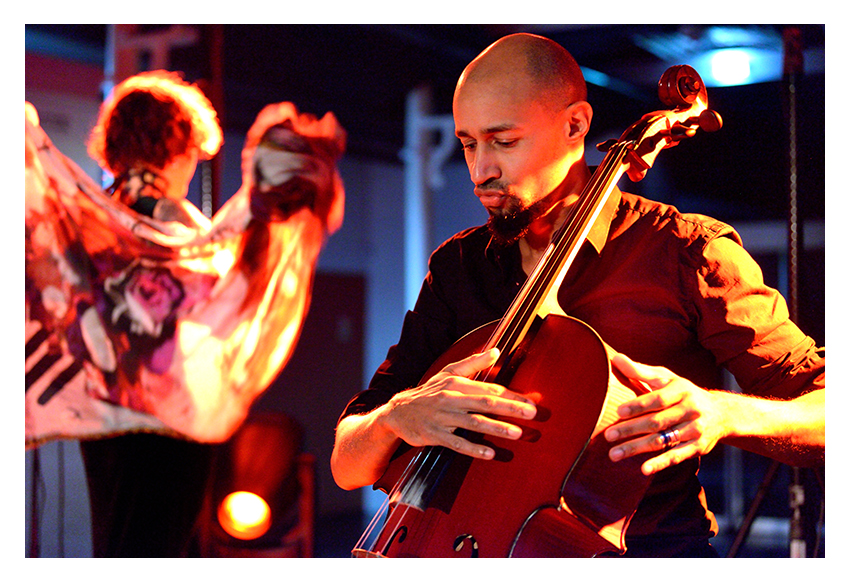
x: 746, y: 326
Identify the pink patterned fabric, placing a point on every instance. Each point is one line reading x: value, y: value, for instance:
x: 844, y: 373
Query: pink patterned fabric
x: 135, y: 324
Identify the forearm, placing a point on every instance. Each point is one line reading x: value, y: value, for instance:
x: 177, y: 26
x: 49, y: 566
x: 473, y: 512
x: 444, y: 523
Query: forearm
x: 789, y: 431
x: 362, y: 450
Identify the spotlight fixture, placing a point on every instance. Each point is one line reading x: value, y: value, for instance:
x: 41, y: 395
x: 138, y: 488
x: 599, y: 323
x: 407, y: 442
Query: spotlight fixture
x: 244, y: 515
x: 261, y: 502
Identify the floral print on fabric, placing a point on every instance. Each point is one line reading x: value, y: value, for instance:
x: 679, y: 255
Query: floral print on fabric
x: 133, y: 323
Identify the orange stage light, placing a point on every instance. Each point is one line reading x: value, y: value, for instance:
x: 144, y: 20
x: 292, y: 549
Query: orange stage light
x: 244, y: 515
x: 260, y: 502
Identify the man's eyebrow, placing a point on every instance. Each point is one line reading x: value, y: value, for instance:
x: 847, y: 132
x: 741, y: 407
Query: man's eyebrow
x: 489, y: 130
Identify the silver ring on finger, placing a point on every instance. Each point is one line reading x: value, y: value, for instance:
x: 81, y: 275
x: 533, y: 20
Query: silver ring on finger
x: 669, y: 438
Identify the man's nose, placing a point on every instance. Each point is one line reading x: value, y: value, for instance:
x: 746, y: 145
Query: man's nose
x: 483, y: 167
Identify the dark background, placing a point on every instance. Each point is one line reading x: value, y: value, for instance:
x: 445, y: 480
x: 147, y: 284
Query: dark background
x: 363, y: 73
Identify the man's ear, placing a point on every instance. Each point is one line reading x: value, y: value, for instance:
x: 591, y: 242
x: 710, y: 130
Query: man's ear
x: 579, y: 115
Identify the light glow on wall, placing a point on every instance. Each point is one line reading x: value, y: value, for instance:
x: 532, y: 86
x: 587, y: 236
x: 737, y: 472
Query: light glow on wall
x: 731, y: 66
x: 727, y: 67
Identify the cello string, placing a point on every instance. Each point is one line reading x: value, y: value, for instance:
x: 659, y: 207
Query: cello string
x: 527, y: 302
x: 413, y: 485
x: 566, y: 234
x: 371, y: 527
x: 399, y: 492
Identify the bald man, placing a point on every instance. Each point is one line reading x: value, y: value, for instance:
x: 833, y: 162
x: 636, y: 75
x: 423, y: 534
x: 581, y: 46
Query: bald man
x: 673, y: 294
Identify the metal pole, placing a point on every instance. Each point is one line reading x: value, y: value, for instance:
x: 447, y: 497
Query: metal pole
x: 793, y: 65
x: 422, y: 173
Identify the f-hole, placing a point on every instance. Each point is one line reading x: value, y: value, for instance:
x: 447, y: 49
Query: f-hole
x: 400, y: 533
x: 462, y: 539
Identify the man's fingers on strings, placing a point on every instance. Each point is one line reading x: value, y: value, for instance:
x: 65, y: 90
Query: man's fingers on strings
x: 473, y: 364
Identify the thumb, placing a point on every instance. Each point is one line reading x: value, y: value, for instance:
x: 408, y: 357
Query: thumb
x: 473, y: 364
x: 650, y: 376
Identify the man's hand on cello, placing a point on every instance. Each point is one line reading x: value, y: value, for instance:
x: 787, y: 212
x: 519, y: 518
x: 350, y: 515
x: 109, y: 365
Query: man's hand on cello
x: 428, y: 415
x: 676, y: 419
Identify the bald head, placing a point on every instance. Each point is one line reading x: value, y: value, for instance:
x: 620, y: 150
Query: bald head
x: 542, y: 65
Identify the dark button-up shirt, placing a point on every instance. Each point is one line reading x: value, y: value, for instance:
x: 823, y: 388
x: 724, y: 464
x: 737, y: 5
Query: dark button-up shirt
x: 665, y: 288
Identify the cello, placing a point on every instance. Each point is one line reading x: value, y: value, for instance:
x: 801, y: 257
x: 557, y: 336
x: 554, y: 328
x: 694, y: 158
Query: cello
x: 579, y: 503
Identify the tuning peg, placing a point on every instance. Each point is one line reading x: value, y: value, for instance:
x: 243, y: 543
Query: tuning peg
x: 710, y: 121
x: 680, y: 131
x: 606, y: 145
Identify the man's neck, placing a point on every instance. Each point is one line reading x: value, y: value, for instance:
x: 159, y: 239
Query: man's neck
x: 540, y: 232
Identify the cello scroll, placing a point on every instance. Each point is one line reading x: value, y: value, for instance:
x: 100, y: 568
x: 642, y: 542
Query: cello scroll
x: 681, y: 89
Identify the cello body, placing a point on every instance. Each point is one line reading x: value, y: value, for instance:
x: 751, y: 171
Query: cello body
x: 554, y: 485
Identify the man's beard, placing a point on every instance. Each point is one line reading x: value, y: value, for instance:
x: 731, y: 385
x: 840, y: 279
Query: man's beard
x: 509, y: 227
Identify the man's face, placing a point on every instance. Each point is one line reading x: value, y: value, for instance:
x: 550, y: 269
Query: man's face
x: 516, y: 151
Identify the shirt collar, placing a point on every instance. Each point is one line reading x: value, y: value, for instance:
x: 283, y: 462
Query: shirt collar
x: 599, y: 231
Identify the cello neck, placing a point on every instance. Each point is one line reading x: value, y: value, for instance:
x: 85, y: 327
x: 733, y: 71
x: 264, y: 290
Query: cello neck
x: 540, y: 289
